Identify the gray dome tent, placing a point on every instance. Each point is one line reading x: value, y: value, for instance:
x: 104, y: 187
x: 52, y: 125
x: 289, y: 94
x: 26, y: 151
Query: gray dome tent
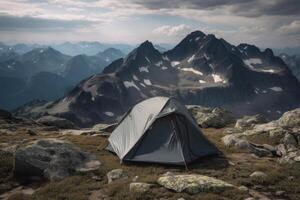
x: 159, y: 130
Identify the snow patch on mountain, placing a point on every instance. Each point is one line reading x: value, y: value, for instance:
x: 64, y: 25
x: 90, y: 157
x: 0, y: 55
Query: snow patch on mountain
x: 135, y: 77
x: 201, y: 81
x: 147, y: 59
x: 276, y: 89
x: 217, y: 78
x: 165, y: 58
x: 191, y: 58
x: 252, y: 61
x: 206, y: 56
x: 147, y: 82
x: 192, y: 70
x: 268, y: 70
x: 129, y: 84
x: 159, y: 64
x: 108, y: 113
x: 164, y: 68
x: 144, y: 69
x: 175, y: 63
x: 256, y: 90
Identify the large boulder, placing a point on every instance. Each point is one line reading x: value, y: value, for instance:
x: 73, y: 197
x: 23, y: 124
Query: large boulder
x: 57, y: 121
x: 211, y: 117
x: 52, y: 159
x: 290, y: 119
x: 249, y: 121
x: 192, y: 183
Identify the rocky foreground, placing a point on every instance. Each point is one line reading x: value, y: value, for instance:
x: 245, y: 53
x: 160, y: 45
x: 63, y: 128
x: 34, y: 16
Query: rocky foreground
x: 52, y: 158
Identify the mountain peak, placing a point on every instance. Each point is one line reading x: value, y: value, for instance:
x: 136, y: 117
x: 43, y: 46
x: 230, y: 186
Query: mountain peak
x: 145, y: 48
x: 196, y: 34
x: 146, y: 45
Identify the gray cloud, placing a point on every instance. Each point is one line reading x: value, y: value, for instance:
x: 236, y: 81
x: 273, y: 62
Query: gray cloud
x: 9, y: 23
x: 250, y: 8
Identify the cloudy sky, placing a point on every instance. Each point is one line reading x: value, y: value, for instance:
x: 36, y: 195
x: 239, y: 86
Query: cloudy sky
x: 266, y: 23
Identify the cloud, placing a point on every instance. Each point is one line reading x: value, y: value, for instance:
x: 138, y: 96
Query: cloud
x: 238, y: 21
x: 291, y: 29
x: 168, y: 30
x: 249, y: 8
x: 9, y: 22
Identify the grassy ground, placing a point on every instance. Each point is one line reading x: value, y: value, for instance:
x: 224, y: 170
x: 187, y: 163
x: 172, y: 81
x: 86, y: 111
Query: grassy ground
x: 233, y: 167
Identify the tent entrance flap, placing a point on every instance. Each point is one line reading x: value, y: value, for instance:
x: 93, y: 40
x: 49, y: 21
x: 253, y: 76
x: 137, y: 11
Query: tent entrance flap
x: 159, y: 144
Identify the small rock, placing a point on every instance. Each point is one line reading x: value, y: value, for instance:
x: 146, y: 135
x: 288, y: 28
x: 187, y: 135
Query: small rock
x: 140, y: 187
x: 289, y: 139
x: 243, y: 188
x: 168, y: 173
x: 115, y: 174
x: 231, y: 163
x: 281, y: 150
x: 91, y: 165
x: 249, y: 121
x: 280, y: 193
x: 31, y: 132
x: 249, y: 198
x: 181, y: 198
x: 291, y: 178
x: 297, y: 158
x: 57, y: 121
x: 134, y: 179
x: 258, y: 174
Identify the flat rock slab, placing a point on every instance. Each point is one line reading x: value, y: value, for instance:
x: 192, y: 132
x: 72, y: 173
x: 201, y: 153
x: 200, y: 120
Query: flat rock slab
x: 193, y: 183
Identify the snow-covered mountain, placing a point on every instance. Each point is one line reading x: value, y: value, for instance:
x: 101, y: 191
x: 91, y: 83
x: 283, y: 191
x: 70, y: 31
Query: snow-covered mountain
x: 201, y: 69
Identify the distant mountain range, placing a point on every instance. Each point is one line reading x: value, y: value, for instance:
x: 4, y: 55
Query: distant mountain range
x: 288, y: 50
x: 68, y: 48
x: 293, y: 62
x: 201, y: 69
x: 45, y: 73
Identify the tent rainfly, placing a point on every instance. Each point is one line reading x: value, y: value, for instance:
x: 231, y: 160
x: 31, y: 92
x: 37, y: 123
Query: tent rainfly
x: 159, y: 130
